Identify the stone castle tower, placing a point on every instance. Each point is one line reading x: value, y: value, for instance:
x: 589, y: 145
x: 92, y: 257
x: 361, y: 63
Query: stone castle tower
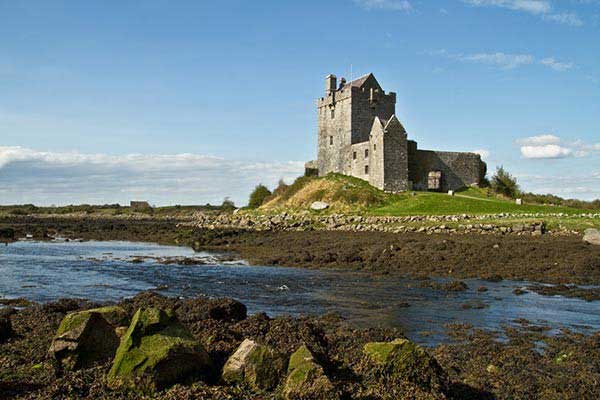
x: 360, y: 135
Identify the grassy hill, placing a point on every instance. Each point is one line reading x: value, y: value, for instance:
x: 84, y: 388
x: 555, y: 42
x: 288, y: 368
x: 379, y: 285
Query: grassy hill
x: 348, y: 194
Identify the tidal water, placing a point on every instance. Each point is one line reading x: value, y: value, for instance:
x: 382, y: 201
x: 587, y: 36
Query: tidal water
x: 104, y: 271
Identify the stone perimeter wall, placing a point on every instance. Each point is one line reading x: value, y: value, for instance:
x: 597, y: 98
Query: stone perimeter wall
x: 452, y: 224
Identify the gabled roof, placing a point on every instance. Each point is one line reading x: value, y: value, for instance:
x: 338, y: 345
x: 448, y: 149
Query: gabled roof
x: 359, y: 82
x: 394, y: 122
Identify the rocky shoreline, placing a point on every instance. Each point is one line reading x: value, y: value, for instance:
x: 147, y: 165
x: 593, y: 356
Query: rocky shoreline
x: 257, y: 357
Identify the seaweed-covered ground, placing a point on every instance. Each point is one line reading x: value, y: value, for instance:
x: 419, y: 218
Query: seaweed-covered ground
x: 526, y: 364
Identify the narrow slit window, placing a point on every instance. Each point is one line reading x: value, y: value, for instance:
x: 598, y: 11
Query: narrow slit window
x: 374, y: 147
x: 331, y: 140
x: 366, y: 170
x: 354, y: 155
x: 332, y: 113
x: 366, y: 153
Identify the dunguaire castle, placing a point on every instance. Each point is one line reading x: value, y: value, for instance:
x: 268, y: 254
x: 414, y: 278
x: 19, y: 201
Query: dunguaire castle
x: 360, y: 135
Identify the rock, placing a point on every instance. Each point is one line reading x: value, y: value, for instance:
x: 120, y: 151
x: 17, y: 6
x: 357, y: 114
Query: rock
x: 319, y: 206
x: 403, y: 361
x: 306, y: 379
x: 159, y: 350
x: 592, y: 236
x: 227, y: 310
x: 257, y: 365
x: 87, y: 337
x: 5, y: 328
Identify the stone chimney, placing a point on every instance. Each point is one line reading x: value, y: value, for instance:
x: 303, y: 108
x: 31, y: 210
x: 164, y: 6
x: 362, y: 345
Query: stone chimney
x: 330, y: 84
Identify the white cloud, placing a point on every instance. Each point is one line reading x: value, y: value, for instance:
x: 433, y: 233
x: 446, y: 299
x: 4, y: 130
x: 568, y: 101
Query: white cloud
x: 30, y: 176
x: 539, y: 140
x: 541, y: 8
x: 398, y: 5
x: 565, y: 19
x: 545, y: 151
x: 551, y: 146
x: 579, y: 186
x: 556, y: 65
x: 530, y: 6
x: 502, y: 60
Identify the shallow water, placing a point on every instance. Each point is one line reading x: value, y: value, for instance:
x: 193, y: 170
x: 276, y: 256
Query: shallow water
x: 103, y: 271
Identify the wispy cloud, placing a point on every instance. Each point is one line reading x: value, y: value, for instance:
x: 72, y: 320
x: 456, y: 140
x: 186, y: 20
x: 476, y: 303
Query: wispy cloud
x: 551, y: 146
x: 556, y: 65
x: 397, y: 5
x: 579, y: 186
x: 30, y: 176
x: 541, y: 8
x: 504, y: 60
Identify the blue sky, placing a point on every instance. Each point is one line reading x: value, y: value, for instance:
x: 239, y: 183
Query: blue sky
x: 190, y: 101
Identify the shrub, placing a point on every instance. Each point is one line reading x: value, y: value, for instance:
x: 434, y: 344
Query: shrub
x: 258, y: 196
x: 504, y: 183
x: 227, y: 205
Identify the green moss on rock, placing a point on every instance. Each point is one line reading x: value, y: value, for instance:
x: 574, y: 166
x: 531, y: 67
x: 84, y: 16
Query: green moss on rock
x: 404, y: 361
x: 157, y: 348
x: 306, y: 379
x: 114, y: 315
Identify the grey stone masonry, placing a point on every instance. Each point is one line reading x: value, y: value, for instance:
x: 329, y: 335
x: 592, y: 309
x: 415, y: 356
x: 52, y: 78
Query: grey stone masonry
x: 360, y: 135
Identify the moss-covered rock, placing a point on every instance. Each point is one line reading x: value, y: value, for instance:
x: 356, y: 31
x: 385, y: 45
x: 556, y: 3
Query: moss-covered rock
x: 158, y: 350
x: 114, y: 315
x: 86, y: 337
x: 402, y: 361
x: 259, y: 366
x: 306, y: 379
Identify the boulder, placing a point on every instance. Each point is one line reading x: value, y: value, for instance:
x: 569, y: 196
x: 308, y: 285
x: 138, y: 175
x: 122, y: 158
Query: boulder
x: 157, y: 350
x: 319, y: 206
x: 403, y: 361
x: 592, y: 236
x: 87, y: 337
x: 257, y: 365
x: 227, y: 310
x: 306, y: 378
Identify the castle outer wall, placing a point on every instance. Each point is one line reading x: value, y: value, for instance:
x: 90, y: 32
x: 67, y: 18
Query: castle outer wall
x: 458, y: 169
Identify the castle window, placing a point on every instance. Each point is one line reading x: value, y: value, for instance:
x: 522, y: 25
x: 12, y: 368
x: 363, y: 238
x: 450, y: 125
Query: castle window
x: 366, y: 170
x: 354, y: 155
x: 366, y: 153
x: 374, y: 147
x: 332, y: 113
x: 330, y: 140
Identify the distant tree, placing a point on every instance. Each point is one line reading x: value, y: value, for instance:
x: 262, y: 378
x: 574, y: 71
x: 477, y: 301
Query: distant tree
x: 504, y: 183
x: 258, y: 196
x: 227, y: 204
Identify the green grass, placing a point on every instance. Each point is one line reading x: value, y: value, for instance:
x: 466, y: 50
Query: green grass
x: 477, y: 202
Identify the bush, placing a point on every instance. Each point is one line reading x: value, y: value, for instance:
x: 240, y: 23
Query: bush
x: 504, y: 183
x: 258, y: 196
x: 227, y: 205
